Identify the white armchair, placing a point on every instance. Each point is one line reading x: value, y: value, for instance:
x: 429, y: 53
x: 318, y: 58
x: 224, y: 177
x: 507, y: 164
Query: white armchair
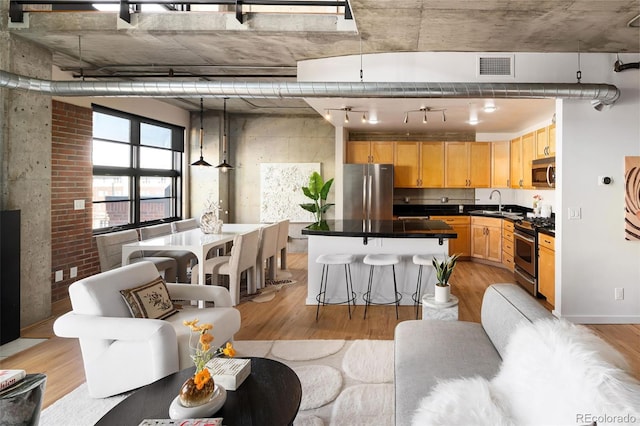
x: 121, y: 353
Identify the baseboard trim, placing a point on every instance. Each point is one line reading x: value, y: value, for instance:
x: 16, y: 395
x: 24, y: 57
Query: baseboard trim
x: 602, y: 319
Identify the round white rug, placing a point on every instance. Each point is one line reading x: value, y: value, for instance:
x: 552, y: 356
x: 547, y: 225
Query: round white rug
x: 320, y: 385
x: 305, y: 350
x: 370, y: 361
x: 364, y: 405
x: 302, y: 420
x: 247, y: 348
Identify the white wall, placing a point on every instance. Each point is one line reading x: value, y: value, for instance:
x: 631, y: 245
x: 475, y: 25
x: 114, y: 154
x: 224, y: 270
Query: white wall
x: 595, y: 257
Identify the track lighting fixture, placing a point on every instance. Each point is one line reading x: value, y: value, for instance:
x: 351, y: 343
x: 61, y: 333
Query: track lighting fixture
x: 346, y: 110
x: 224, y: 166
x: 201, y: 161
x: 424, y: 111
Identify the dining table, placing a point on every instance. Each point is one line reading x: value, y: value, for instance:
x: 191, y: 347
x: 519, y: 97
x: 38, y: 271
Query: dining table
x: 193, y: 240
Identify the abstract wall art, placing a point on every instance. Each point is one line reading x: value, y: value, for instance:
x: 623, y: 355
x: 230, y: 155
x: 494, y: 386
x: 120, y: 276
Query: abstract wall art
x: 632, y: 198
x: 281, y: 191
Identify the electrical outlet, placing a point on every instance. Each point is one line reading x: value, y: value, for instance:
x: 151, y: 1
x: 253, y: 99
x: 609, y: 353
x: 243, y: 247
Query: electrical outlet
x: 73, y: 272
x: 58, y: 276
x: 78, y: 204
x: 619, y: 293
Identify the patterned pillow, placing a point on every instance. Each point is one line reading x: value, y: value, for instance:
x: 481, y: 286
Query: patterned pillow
x: 149, y: 300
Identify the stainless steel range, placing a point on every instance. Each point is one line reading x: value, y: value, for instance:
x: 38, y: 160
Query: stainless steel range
x: 525, y: 255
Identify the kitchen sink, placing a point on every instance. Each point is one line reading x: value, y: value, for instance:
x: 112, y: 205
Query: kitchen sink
x: 511, y: 215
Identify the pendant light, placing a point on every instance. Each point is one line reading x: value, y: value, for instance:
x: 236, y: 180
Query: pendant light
x: 201, y: 161
x: 224, y: 166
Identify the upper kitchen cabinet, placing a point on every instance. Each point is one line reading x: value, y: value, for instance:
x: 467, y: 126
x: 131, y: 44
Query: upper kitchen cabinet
x: 362, y: 152
x: 419, y: 165
x: 521, y: 153
x: 546, y: 141
x: 468, y: 164
x: 500, y: 169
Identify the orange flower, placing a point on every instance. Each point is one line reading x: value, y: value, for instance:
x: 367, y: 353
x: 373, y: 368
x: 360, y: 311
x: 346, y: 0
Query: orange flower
x: 206, y: 338
x: 191, y: 324
x: 201, y: 378
x: 205, y: 327
x: 229, y: 350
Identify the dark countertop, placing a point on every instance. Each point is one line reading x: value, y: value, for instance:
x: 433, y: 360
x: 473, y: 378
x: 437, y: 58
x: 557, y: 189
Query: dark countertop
x: 452, y: 209
x: 383, y: 229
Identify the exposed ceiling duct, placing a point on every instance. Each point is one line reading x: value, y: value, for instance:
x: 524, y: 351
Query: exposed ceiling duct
x: 599, y: 94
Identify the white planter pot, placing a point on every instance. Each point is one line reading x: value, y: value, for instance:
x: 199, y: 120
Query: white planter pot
x: 442, y: 294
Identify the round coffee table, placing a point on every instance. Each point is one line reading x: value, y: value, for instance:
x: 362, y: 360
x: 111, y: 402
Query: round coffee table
x: 271, y: 395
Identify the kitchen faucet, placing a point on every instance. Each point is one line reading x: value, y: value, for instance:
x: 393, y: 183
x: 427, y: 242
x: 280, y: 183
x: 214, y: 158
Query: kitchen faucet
x: 499, y: 199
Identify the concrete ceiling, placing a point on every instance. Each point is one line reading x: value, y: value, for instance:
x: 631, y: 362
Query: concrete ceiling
x: 266, y: 47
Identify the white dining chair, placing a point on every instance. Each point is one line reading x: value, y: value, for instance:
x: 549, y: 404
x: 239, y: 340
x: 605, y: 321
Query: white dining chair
x: 266, y: 260
x: 184, y: 258
x: 242, y: 258
x: 110, y: 254
x: 283, y: 239
x: 184, y: 225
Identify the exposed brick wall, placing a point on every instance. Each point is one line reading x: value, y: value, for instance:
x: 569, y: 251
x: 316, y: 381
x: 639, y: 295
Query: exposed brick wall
x: 72, y: 242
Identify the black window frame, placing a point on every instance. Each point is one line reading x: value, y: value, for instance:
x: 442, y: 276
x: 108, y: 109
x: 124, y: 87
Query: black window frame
x: 135, y: 173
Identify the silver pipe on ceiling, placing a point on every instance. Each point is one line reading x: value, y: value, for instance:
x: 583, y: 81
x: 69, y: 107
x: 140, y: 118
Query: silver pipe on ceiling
x: 599, y: 94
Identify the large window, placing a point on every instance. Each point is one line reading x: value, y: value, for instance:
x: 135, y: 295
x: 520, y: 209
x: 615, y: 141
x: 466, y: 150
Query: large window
x: 137, y: 168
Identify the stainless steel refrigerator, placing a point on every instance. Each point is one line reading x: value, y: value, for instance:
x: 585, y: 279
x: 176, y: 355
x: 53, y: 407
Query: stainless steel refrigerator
x: 368, y: 191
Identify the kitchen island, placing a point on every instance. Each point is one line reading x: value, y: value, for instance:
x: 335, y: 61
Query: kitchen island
x: 401, y: 237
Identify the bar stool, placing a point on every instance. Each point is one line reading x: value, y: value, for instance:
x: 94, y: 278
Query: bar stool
x: 336, y: 259
x: 420, y: 260
x: 381, y: 260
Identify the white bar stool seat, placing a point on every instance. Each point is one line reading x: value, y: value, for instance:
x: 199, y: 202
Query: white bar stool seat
x: 336, y: 259
x: 381, y: 260
x: 421, y: 260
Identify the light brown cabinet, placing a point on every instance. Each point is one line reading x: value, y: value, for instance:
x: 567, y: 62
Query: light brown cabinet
x: 486, y: 238
x: 362, y: 152
x: 547, y: 267
x: 521, y: 155
x: 419, y: 165
x: 546, y: 141
x: 462, y: 226
x: 500, y: 164
x: 507, y: 244
x: 467, y: 165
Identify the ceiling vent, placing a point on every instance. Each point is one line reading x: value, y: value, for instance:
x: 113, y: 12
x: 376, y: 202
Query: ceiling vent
x: 495, y: 66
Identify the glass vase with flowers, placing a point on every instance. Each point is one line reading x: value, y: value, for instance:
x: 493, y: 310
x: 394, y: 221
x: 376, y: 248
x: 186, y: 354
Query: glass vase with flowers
x: 200, y: 387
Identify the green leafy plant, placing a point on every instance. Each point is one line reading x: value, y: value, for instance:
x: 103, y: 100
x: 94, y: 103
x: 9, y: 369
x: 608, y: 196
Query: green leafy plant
x: 444, y: 269
x: 318, y: 190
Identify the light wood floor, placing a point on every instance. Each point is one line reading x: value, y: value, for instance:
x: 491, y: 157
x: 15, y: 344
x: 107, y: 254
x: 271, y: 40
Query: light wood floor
x: 287, y: 317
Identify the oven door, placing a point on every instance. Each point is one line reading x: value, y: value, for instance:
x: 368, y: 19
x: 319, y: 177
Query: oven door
x: 524, y: 254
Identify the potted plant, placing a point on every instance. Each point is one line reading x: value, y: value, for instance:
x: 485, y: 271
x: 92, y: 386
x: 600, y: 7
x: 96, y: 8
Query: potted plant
x: 444, y: 270
x: 318, y: 190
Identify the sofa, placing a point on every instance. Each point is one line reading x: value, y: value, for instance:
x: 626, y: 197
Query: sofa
x: 520, y: 365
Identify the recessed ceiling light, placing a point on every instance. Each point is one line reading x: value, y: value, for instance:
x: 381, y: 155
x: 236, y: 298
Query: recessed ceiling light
x: 473, y: 121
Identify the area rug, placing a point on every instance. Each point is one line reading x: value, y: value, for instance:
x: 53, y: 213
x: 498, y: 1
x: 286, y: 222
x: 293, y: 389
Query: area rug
x: 265, y: 294
x: 334, y: 390
x: 17, y: 346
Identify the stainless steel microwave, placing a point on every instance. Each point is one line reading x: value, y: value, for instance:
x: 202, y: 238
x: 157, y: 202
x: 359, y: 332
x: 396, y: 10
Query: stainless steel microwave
x: 543, y: 173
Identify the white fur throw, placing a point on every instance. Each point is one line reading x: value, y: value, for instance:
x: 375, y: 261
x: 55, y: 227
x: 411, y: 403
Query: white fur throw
x: 553, y: 373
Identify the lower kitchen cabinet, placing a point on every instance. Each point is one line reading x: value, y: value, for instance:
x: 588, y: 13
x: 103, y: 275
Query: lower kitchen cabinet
x: 462, y: 225
x: 486, y: 238
x: 507, y: 244
x: 547, y: 267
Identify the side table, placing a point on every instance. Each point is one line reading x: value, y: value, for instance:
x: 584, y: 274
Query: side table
x: 432, y: 310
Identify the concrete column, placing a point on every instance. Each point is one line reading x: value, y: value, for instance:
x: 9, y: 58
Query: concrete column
x: 25, y: 142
